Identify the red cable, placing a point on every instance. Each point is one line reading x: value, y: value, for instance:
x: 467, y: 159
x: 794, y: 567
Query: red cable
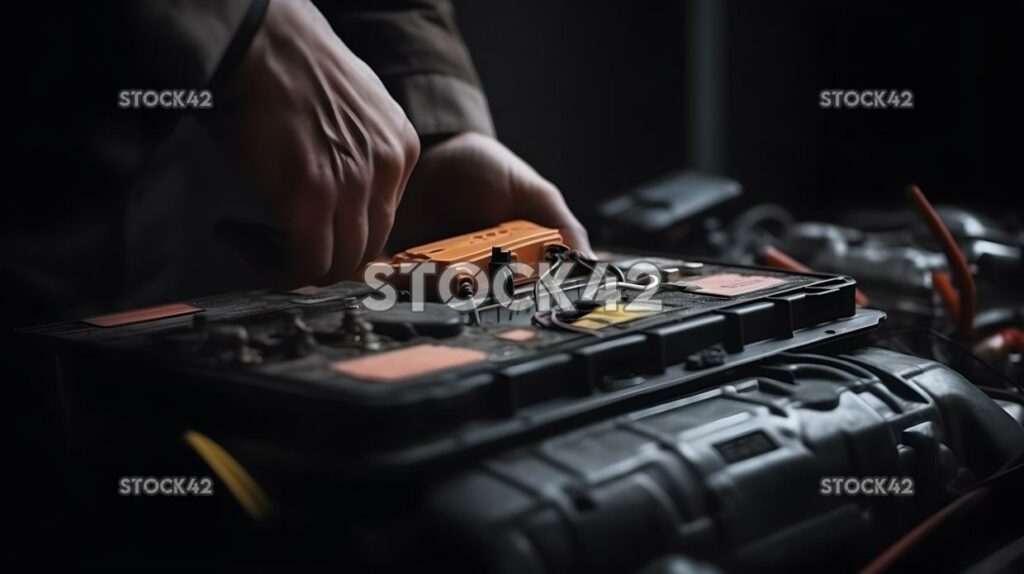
x: 885, y: 560
x: 962, y: 306
x: 774, y: 257
x: 955, y: 257
x: 1013, y: 339
x: 944, y: 285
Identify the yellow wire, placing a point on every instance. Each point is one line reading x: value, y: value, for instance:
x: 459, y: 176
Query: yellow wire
x: 240, y: 483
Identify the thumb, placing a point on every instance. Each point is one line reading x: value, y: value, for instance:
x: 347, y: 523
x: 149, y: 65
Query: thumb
x: 538, y: 200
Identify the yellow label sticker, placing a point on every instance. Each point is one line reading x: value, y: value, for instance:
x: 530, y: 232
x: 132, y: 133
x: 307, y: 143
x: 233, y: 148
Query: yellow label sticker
x: 601, y: 317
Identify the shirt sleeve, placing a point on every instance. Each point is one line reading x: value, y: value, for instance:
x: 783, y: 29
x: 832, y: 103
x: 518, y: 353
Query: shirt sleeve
x: 189, y: 43
x: 415, y: 47
x: 63, y: 244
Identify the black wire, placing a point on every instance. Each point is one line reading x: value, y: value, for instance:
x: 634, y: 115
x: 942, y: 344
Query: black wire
x: 618, y: 272
x: 744, y: 231
x: 466, y: 290
x: 552, y: 316
x: 964, y: 350
x: 582, y: 261
x: 956, y: 345
x: 998, y: 474
x: 589, y: 264
x: 536, y: 285
x: 1003, y: 394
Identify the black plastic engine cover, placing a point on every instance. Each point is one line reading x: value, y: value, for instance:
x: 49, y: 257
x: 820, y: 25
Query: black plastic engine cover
x: 732, y: 476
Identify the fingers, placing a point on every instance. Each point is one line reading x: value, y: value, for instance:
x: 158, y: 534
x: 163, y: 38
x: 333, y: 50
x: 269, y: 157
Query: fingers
x: 395, y: 161
x: 370, y: 181
x: 323, y: 141
x: 577, y: 238
x: 305, y: 215
x: 333, y: 153
x: 309, y: 242
x: 538, y: 200
x: 471, y: 181
x: 351, y: 229
x: 375, y: 149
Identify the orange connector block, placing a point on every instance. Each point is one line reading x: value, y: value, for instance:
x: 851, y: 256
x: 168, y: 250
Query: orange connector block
x: 527, y: 242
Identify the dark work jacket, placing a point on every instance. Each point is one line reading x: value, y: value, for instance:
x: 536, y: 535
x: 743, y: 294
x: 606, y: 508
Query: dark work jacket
x: 113, y: 208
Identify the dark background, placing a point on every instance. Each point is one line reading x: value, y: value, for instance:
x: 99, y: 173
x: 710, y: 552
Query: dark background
x: 597, y: 96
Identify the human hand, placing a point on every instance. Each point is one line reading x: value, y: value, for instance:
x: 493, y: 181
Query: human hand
x: 317, y: 133
x: 471, y: 181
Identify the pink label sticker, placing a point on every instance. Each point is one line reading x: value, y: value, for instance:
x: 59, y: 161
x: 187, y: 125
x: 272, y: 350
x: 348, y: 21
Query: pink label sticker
x: 517, y: 335
x: 142, y: 315
x: 733, y: 284
x: 307, y: 290
x: 406, y: 363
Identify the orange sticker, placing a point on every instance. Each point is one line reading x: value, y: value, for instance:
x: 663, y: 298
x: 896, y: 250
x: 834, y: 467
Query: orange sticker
x: 142, y: 315
x: 517, y: 335
x: 733, y: 284
x: 406, y: 363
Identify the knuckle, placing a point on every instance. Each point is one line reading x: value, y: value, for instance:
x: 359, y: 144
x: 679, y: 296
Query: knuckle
x: 396, y: 152
x: 310, y: 183
x: 356, y: 172
x: 387, y: 156
x: 410, y: 142
x: 384, y: 211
